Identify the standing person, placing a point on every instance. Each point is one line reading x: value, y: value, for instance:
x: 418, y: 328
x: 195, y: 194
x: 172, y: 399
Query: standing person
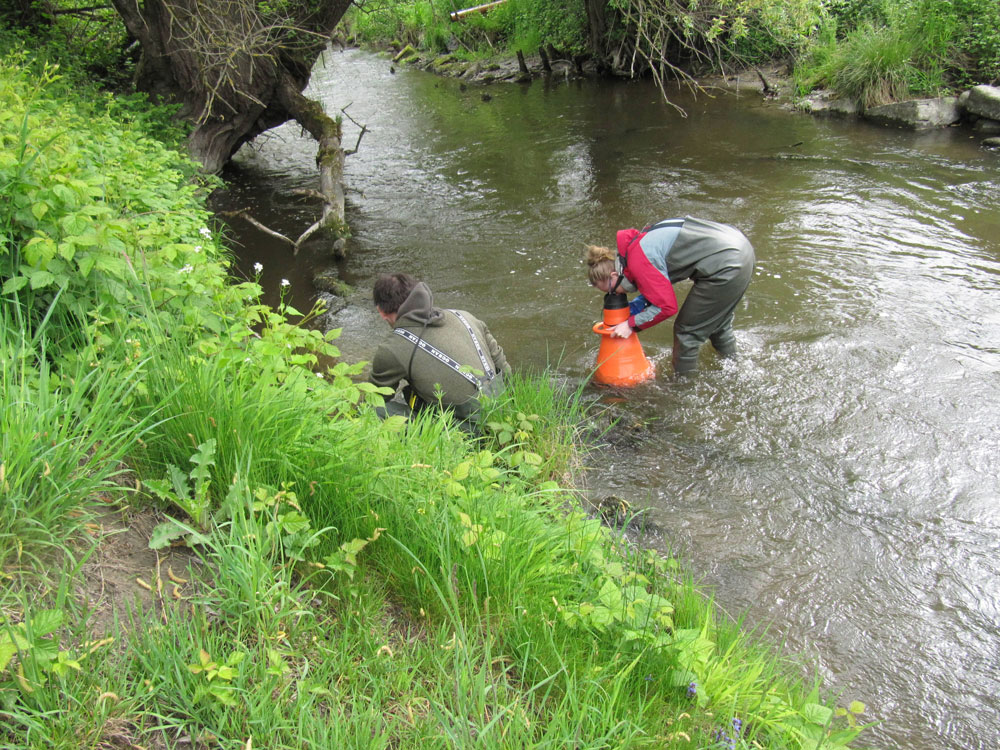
x: 448, y: 358
x: 719, y: 260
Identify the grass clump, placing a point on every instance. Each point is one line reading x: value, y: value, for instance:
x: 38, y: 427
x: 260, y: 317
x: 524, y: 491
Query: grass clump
x: 883, y: 52
x: 285, y: 568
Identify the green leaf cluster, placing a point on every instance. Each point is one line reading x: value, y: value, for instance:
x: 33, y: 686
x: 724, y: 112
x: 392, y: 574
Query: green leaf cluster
x: 30, y: 654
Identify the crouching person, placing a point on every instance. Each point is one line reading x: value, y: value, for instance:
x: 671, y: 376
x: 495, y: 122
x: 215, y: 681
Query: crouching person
x: 447, y: 358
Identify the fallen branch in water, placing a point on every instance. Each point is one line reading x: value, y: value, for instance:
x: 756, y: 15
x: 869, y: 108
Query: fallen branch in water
x: 330, y: 162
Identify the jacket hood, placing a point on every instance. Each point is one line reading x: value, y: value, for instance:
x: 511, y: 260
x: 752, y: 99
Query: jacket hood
x: 418, y: 308
x: 624, y: 239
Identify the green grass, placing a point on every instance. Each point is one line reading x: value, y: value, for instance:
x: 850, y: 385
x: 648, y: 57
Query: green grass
x: 319, y: 576
x: 63, y: 435
x: 905, y: 50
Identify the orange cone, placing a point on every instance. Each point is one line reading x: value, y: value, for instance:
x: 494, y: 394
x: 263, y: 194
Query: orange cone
x: 619, y: 361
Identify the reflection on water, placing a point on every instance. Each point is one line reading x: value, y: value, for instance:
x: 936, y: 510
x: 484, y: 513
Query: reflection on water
x: 840, y: 482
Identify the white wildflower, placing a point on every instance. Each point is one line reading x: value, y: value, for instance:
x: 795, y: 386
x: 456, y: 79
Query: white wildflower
x: 187, y: 269
x: 285, y: 282
x: 197, y: 248
x: 205, y: 232
x: 257, y: 268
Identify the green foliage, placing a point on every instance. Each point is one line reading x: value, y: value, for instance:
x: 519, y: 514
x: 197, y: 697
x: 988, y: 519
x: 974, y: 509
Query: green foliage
x: 536, y: 425
x: 98, y: 222
x: 407, y: 584
x: 977, y: 41
x: 285, y: 528
x: 191, y: 497
x: 30, y: 654
x: 217, y: 684
x: 516, y: 25
x: 78, y: 35
x: 877, y: 53
x: 534, y: 23
x: 63, y: 434
x: 875, y: 65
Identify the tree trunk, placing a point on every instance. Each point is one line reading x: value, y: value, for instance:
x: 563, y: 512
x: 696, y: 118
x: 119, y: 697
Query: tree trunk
x: 598, y: 24
x: 238, y: 73
x: 223, y: 62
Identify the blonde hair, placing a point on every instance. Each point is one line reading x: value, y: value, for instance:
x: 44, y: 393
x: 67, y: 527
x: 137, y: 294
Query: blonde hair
x: 600, y: 263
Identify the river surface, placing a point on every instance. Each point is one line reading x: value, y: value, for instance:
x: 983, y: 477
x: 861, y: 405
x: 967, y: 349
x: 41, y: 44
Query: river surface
x: 839, y: 483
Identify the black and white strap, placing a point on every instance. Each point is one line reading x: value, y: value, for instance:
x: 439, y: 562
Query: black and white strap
x: 487, y: 370
x: 444, y: 358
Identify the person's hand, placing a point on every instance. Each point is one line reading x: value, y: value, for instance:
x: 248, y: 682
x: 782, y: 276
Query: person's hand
x: 623, y: 330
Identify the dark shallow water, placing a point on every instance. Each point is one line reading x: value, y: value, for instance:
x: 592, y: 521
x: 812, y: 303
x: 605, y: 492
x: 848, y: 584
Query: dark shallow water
x: 839, y: 483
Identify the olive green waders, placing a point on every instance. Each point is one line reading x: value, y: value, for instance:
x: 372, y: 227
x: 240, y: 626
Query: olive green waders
x: 707, y: 313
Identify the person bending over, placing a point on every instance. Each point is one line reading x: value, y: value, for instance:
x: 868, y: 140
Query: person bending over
x: 719, y: 260
x: 447, y: 358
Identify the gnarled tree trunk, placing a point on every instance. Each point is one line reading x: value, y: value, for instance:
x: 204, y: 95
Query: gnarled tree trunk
x: 238, y: 71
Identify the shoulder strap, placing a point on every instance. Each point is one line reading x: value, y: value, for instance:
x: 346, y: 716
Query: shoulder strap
x: 487, y: 370
x: 419, y: 343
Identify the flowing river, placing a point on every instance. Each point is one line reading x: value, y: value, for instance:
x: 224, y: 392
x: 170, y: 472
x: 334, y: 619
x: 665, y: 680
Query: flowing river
x: 839, y: 483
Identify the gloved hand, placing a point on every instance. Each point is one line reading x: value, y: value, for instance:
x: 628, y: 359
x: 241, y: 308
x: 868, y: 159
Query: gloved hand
x: 637, y: 305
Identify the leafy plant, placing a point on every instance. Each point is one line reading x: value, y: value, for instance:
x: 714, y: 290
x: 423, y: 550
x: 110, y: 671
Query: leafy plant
x: 30, y: 654
x: 189, y: 492
x: 218, y: 678
x: 285, y: 526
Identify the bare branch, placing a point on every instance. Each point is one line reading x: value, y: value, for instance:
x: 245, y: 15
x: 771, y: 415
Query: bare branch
x: 243, y: 214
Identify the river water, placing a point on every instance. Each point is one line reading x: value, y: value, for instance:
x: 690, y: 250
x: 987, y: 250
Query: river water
x: 839, y: 483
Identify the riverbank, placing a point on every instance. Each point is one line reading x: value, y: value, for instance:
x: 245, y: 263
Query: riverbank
x: 210, y: 540
x: 977, y: 109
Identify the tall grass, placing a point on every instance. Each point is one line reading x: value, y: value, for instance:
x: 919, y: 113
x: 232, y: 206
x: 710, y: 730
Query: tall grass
x: 63, y: 434
x: 543, y: 413
x: 901, y: 51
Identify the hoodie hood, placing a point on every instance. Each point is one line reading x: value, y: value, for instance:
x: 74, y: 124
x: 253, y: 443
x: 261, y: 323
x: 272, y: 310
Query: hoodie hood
x: 624, y: 239
x: 418, y: 309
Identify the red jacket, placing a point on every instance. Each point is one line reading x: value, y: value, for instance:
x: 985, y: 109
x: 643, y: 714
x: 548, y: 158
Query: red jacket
x: 646, y: 268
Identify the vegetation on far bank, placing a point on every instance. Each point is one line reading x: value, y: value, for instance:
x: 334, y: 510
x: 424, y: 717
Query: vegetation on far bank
x: 207, y: 539
x: 872, y: 52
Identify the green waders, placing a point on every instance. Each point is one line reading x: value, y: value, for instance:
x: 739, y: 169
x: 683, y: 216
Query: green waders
x: 707, y: 313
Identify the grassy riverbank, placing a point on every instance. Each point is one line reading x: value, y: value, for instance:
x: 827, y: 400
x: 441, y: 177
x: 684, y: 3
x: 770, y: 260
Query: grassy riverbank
x: 208, y: 541
x: 871, y: 52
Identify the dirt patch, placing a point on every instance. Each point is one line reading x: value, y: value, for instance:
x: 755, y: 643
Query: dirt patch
x: 123, y: 573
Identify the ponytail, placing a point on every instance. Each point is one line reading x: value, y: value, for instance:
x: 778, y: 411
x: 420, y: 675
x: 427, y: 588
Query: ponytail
x: 600, y: 263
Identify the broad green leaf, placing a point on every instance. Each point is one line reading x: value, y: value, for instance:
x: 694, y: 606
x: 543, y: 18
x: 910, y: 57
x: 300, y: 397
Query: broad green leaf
x: 40, y: 279
x: 14, y: 284
x: 293, y: 522
x: 7, y: 651
x: 817, y: 713
x: 46, y: 622
x: 164, y: 534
